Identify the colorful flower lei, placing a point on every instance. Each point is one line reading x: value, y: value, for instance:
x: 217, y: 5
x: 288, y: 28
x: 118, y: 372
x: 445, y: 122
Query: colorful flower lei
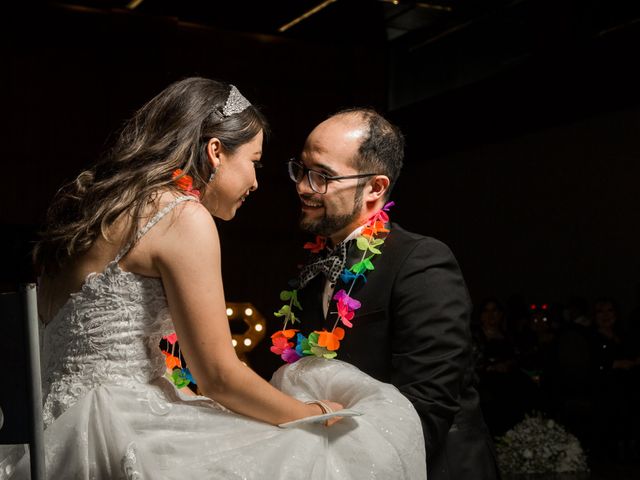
x: 326, y: 343
x: 180, y: 376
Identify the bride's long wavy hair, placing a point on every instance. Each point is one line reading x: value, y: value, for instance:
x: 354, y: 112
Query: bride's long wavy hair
x: 170, y: 132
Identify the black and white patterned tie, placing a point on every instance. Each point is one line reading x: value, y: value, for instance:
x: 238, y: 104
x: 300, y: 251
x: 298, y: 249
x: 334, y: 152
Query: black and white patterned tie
x: 331, y: 265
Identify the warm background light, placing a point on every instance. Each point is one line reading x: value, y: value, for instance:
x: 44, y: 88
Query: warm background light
x: 247, y: 340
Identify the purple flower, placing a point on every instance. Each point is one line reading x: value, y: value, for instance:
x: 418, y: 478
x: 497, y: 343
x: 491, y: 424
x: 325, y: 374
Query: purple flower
x: 352, y: 303
x: 290, y: 355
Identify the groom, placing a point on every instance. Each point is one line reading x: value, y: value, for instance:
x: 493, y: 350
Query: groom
x: 412, y: 329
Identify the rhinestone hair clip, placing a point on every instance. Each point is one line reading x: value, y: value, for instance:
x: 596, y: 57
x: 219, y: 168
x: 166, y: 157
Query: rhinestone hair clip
x: 235, y: 103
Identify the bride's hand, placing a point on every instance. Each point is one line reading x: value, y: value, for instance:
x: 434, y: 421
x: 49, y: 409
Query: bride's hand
x: 335, y: 406
x: 319, y: 409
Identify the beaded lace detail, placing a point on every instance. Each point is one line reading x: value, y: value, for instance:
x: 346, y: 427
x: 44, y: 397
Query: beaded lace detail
x: 129, y: 462
x: 106, y: 334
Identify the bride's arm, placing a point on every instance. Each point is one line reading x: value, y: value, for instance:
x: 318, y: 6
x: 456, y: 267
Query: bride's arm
x: 187, y: 255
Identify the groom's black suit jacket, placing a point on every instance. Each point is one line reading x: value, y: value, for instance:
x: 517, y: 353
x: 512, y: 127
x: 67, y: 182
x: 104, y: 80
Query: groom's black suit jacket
x: 413, y: 331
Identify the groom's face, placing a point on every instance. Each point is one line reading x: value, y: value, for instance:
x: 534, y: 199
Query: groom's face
x: 330, y: 150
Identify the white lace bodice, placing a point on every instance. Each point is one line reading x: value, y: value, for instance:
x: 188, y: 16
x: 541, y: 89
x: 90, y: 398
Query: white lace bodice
x: 107, y: 333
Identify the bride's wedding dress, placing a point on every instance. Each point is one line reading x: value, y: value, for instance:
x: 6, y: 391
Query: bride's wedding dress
x: 110, y: 414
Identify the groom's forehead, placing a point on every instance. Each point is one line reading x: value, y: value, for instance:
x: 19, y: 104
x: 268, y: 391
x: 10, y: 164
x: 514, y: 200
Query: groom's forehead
x: 327, y: 161
x: 333, y: 146
x: 320, y: 161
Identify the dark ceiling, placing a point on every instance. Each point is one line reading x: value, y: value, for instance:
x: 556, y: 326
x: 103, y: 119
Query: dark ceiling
x: 325, y: 20
x: 431, y: 50
x: 362, y: 21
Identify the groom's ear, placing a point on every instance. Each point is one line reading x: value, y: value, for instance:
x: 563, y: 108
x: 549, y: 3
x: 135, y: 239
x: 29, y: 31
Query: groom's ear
x: 378, y: 187
x: 214, y: 149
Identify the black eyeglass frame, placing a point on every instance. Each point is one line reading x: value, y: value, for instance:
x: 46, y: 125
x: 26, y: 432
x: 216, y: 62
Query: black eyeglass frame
x: 326, y: 178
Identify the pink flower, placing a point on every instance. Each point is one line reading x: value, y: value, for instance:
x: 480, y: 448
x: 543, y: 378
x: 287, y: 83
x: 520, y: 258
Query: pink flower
x: 344, y: 314
x: 280, y: 344
x: 172, y: 338
x: 346, y: 307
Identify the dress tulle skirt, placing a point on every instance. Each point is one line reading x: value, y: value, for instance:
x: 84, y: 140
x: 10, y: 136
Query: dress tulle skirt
x: 153, y: 432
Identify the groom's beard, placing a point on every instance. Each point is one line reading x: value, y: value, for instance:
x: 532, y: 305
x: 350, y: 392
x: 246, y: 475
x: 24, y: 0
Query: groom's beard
x: 329, y: 224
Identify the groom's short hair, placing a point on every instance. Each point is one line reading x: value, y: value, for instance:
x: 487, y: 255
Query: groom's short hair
x: 382, y: 150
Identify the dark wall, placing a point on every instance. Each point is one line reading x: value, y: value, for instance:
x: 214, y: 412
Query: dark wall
x: 548, y: 214
x: 532, y: 174
x: 530, y: 177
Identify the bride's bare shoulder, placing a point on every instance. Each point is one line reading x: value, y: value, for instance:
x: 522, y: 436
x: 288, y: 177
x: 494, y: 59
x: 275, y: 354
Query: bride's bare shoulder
x: 187, y: 217
x: 187, y: 227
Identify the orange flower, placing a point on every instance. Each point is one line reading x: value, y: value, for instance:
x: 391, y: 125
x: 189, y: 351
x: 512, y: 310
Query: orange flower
x: 373, y: 229
x: 185, y: 182
x: 172, y: 361
x: 317, y: 246
x: 284, y: 333
x: 330, y: 340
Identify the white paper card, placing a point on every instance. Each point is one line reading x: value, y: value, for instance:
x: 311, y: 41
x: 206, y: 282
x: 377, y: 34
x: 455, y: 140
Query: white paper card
x: 321, y: 418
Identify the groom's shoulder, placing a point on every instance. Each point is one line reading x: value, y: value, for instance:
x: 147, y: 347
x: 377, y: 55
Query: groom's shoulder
x: 406, y: 240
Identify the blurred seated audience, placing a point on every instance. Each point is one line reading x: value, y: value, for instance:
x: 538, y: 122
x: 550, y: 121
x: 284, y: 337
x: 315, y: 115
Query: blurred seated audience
x: 505, y: 391
x: 611, y: 351
x: 536, y: 342
x: 575, y: 365
x: 577, y: 311
x: 569, y: 378
x: 496, y: 352
x: 614, y: 365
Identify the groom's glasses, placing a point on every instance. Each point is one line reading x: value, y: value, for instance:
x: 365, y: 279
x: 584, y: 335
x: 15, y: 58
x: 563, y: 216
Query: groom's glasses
x: 317, y: 181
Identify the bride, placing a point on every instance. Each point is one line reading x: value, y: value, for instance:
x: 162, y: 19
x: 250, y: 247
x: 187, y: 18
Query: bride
x: 131, y: 253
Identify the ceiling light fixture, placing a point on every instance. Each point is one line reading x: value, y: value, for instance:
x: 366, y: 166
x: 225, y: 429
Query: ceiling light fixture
x: 432, y: 6
x: 134, y: 4
x: 306, y: 15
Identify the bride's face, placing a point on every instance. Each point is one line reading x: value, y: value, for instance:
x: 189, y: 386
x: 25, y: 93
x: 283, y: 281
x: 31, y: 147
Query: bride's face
x: 235, y: 179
